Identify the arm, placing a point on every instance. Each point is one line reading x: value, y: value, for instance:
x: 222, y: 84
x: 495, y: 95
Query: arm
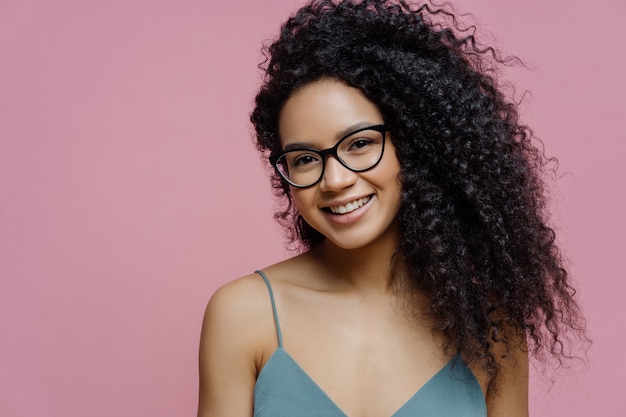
x: 228, y: 352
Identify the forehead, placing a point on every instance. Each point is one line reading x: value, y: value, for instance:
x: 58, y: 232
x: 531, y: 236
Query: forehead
x: 321, y: 111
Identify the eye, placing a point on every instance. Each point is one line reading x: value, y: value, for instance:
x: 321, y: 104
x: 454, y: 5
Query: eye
x: 360, y: 143
x: 303, y: 159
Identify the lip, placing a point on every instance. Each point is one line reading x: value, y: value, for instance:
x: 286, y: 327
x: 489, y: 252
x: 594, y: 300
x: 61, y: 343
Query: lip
x: 351, y: 217
x: 345, y: 201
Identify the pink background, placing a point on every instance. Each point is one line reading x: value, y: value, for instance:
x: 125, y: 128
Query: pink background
x: 130, y: 189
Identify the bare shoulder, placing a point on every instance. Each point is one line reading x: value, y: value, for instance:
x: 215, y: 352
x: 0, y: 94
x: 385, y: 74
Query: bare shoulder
x: 247, y: 290
x: 237, y: 337
x: 241, y: 310
x: 237, y: 310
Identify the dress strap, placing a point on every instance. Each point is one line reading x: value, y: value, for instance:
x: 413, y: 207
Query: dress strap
x: 269, y: 288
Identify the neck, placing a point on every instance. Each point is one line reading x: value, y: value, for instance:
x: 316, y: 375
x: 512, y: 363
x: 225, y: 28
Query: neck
x: 366, y: 268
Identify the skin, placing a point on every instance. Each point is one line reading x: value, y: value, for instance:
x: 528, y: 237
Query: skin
x: 367, y: 354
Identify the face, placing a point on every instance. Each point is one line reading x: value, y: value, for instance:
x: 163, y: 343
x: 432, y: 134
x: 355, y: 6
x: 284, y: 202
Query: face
x: 352, y: 209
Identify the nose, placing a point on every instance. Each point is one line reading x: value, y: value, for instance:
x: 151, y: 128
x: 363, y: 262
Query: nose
x: 336, y: 176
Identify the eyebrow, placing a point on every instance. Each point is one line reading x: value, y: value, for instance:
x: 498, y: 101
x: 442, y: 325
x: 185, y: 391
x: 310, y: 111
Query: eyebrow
x: 340, y: 135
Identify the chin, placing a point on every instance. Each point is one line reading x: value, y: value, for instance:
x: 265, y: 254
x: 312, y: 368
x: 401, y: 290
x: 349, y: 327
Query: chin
x: 350, y: 244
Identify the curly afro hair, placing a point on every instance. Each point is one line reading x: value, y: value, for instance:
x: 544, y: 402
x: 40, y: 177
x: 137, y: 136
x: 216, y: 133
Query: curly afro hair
x: 475, y: 237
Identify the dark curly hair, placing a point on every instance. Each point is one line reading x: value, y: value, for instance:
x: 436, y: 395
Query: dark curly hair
x: 474, y: 230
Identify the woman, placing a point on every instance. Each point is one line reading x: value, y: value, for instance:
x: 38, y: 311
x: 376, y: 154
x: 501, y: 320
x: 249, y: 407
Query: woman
x: 427, y: 272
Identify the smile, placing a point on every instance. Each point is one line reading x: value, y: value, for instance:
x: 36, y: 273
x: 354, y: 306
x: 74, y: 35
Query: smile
x: 351, y: 206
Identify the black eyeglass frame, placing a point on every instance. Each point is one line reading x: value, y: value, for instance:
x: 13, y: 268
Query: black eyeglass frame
x: 323, y: 154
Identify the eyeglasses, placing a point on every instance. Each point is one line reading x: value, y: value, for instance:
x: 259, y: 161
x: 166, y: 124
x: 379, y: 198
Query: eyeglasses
x: 358, y: 151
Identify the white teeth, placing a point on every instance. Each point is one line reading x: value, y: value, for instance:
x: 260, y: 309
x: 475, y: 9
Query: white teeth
x: 350, y: 207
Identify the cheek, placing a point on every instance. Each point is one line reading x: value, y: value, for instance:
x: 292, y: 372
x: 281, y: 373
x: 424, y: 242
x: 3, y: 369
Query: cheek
x: 395, y: 182
x: 391, y: 160
x: 302, y: 199
x: 393, y: 172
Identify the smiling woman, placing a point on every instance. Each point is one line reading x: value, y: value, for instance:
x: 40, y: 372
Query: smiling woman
x: 427, y: 272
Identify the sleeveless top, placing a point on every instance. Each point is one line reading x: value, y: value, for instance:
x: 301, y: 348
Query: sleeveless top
x: 284, y: 389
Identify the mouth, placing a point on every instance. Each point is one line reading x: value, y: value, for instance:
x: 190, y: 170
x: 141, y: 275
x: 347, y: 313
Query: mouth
x: 349, y: 207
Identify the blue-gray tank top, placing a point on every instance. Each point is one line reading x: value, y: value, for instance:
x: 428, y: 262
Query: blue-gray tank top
x: 284, y: 389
